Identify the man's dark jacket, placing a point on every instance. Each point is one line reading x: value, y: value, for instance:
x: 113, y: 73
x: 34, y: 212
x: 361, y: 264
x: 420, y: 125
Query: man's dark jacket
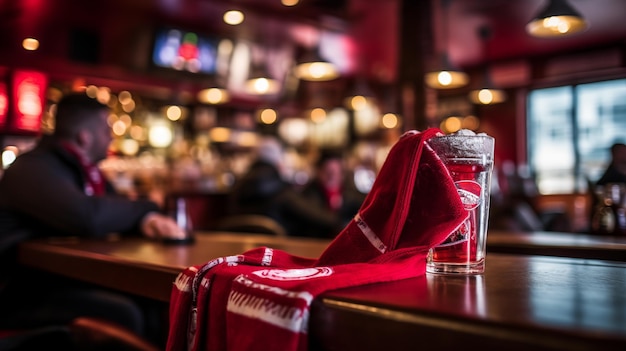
x: 42, y: 195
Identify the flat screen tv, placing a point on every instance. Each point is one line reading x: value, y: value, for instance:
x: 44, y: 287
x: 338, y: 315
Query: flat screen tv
x: 184, y: 51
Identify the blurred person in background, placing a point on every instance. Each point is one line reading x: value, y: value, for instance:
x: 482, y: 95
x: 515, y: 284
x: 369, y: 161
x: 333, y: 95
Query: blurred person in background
x: 616, y: 171
x: 262, y: 190
x: 331, y: 188
x: 57, y: 190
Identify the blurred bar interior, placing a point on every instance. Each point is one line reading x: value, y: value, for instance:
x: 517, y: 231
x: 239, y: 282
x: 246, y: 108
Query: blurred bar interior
x: 178, y: 76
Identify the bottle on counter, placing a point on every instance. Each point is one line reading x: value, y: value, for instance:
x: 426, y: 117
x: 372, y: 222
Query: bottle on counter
x: 609, y: 217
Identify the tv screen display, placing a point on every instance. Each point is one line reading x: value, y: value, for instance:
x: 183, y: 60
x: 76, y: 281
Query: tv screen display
x: 184, y: 51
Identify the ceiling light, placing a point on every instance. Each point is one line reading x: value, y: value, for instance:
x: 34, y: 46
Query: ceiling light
x: 487, y: 96
x: 213, y: 96
x: 446, y: 78
x: 233, y: 17
x: 30, y: 44
x: 557, y: 19
x: 311, y: 66
x: 260, y: 82
x: 360, y: 95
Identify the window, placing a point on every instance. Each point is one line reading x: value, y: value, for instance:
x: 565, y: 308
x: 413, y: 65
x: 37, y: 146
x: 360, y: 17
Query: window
x: 570, y: 131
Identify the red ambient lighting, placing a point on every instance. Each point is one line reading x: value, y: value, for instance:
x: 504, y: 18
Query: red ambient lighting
x: 28, y: 96
x: 4, y: 105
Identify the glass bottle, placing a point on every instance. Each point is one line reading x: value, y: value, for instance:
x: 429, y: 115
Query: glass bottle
x: 603, y: 219
x: 620, y: 212
x: 181, y: 215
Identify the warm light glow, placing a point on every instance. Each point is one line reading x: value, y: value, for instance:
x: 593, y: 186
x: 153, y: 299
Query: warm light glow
x: 470, y: 122
x: 262, y: 86
x: 103, y: 95
x: 220, y: 134
x: 129, y: 106
x: 91, y: 91
x: 213, y: 96
x: 137, y: 133
x: 451, y: 124
x: 487, y: 96
x: 30, y: 44
x: 358, y: 102
x: 118, y: 128
x: 555, y: 26
x: 316, y: 71
x: 160, y: 135
x: 268, y: 116
x: 233, y: 17
x: 294, y: 130
x: 389, y: 120
x: 289, y: 2
x: 112, y: 119
x: 129, y: 147
x: 9, y: 155
x: 446, y: 79
x: 558, y: 18
x: 124, y: 97
x: 174, y: 113
x: 318, y: 115
x: 126, y: 120
x: 247, y: 139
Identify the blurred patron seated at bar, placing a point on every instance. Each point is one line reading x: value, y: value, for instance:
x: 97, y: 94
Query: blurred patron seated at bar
x: 57, y: 190
x: 332, y: 189
x: 262, y: 190
x: 616, y: 171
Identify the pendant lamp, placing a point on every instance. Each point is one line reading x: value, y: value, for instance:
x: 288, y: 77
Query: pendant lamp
x: 556, y: 19
x: 360, y: 94
x: 260, y: 81
x: 487, y: 94
x: 312, y: 67
x: 213, y: 96
x: 446, y: 77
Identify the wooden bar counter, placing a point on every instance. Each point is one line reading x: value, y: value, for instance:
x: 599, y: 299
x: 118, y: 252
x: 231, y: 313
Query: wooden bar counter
x: 521, y: 302
x: 558, y: 244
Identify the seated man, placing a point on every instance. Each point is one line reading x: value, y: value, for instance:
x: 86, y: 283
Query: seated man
x: 263, y: 191
x: 56, y: 189
x: 331, y: 189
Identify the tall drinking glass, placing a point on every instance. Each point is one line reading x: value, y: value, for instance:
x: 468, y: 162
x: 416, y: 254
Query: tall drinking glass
x: 469, y: 159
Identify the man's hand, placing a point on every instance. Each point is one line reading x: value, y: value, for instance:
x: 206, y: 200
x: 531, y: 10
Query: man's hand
x: 157, y: 226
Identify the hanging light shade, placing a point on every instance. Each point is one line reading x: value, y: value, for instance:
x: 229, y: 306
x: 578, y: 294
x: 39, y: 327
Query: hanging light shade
x: 487, y: 96
x: 312, y: 67
x: 260, y: 82
x: 557, y: 19
x: 447, y: 77
x: 213, y: 96
x: 360, y: 95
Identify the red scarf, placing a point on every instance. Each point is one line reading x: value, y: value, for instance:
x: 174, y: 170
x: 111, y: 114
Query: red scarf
x: 94, y: 180
x: 260, y: 300
x: 334, y: 197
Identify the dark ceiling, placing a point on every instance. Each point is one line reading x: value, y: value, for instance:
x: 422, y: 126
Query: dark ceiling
x: 506, y: 20
x: 373, y: 24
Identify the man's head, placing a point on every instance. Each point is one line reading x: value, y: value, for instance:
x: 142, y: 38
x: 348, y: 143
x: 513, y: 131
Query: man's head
x: 618, y: 156
x: 82, y: 121
x: 330, y: 170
